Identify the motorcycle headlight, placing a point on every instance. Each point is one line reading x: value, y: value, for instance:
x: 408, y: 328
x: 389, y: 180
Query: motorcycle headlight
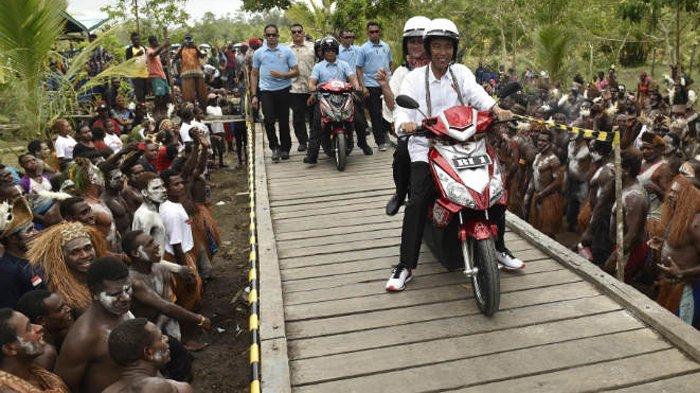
x: 454, y: 191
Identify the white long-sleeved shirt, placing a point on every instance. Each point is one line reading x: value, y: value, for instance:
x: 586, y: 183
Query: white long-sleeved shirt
x: 442, y: 95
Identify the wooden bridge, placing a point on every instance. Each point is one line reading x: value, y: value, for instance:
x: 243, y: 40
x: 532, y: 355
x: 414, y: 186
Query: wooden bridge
x: 327, y: 325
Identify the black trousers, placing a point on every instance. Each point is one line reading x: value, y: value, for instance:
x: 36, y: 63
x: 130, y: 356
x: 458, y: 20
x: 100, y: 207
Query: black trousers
x: 275, y: 107
x: 219, y: 146
x: 300, y: 112
x: 374, y: 105
x: 401, y: 168
x: 316, y: 134
x: 423, y: 193
x: 240, y: 134
x: 140, y: 88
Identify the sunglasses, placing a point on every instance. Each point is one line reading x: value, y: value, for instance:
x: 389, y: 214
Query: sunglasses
x: 350, y: 37
x: 271, y: 34
x: 373, y: 31
x: 297, y: 31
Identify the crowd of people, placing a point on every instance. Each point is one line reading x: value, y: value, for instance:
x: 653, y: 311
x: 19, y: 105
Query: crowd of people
x: 108, y: 237
x: 107, y: 232
x: 552, y: 173
x: 556, y: 180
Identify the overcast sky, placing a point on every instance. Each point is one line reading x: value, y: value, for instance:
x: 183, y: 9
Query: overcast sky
x: 88, y: 11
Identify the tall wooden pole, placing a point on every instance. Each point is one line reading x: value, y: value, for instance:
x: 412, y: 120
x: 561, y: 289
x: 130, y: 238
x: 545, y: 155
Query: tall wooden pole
x: 619, y: 215
x: 678, y: 34
x: 136, y: 14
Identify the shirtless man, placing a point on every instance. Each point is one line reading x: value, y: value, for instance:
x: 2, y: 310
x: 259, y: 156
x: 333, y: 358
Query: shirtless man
x: 655, y: 176
x: 132, y: 169
x: 141, y: 349
x: 544, y: 204
x: 151, y: 279
x: 112, y: 196
x: 680, y: 251
x: 577, y: 178
x: 84, y: 362
x: 596, y: 244
x: 89, y: 185
x: 76, y: 209
x: 51, y: 312
x: 518, y: 176
x: 634, y: 208
x: 146, y: 217
x: 21, y: 342
x: 672, y: 154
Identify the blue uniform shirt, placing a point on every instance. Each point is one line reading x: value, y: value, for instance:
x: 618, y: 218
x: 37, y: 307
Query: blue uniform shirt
x: 280, y: 59
x: 349, y: 55
x: 325, y: 71
x: 371, y: 57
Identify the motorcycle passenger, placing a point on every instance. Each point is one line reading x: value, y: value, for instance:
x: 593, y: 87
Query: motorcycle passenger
x: 414, y: 56
x: 331, y: 68
x: 438, y: 86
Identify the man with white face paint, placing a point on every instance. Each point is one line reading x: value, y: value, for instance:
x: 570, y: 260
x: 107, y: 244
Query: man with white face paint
x: 436, y: 87
x: 84, y: 362
x: 141, y: 349
x: 146, y: 217
x: 20, y: 343
x: 112, y: 197
x: 151, y: 278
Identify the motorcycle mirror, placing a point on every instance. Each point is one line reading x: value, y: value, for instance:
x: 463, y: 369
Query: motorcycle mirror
x: 407, y: 102
x: 509, y: 89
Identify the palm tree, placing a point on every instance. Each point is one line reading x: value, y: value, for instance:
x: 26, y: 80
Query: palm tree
x: 28, y: 31
x: 552, y: 44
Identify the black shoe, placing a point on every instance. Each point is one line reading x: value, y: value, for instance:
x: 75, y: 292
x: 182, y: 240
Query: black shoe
x: 367, y: 150
x: 310, y: 161
x: 392, y: 207
x: 302, y: 147
x: 275, y: 155
x: 284, y: 155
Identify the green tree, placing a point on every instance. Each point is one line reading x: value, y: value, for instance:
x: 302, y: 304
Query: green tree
x: 149, y: 15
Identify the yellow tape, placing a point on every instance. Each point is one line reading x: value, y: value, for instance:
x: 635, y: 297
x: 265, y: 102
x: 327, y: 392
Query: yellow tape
x: 254, y: 353
x: 252, y: 274
x: 255, y: 386
x: 253, y: 296
x: 253, y: 256
x: 253, y: 322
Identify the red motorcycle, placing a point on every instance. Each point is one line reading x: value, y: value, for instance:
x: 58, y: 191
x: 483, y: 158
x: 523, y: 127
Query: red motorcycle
x: 337, y: 115
x: 468, y: 176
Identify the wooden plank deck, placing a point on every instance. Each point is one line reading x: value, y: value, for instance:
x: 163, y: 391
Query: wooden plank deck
x: 328, y: 325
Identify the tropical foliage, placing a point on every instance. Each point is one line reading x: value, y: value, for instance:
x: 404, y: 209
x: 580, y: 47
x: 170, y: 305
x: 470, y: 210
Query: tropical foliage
x: 34, y: 93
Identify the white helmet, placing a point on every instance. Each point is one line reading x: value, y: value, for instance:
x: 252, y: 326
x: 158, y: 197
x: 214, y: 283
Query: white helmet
x: 415, y: 26
x: 441, y: 28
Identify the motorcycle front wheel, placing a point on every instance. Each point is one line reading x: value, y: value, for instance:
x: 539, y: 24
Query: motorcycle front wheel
x: 486, y: 282
x: 340, y: 151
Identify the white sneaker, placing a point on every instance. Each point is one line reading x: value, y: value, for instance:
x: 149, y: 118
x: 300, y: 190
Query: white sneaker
x: 508, y: 261
x: 400, y: 275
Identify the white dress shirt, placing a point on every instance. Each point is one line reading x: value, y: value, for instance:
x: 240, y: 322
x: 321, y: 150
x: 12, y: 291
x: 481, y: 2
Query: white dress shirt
x: 443, y: 96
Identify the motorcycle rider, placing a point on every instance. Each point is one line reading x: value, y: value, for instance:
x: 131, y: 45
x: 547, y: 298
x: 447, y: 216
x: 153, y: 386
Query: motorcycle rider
x: 414, y: 56
x: 438, y: 86
x: 329, y: 69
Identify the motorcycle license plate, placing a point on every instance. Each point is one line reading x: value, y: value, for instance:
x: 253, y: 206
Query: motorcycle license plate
x: 471, y: 162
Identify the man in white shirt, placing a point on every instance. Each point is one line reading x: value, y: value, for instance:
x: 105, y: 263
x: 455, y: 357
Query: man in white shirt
x: 179, y: 243
x: 64, y: 142
x: 448, y: 85
x: 188, y: 122
x: 217, y: 129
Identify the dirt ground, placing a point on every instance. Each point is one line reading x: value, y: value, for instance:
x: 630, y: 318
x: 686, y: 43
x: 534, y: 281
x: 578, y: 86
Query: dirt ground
x: 223, y: 366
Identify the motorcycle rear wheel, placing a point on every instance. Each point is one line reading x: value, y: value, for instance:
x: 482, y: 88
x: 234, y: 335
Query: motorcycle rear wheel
x: 341, y: 151
x: 486, y: 283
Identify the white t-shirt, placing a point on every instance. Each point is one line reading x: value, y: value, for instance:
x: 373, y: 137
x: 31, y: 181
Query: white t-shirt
x: 64, y: 147
x: 185, y: 130
x: 113, y: 142
x: 36, y: 187
x: 150, y: 222
x: 177, y: 226
x: 216, y: 128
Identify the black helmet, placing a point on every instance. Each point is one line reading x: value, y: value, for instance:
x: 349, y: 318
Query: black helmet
x: 329, y: 43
